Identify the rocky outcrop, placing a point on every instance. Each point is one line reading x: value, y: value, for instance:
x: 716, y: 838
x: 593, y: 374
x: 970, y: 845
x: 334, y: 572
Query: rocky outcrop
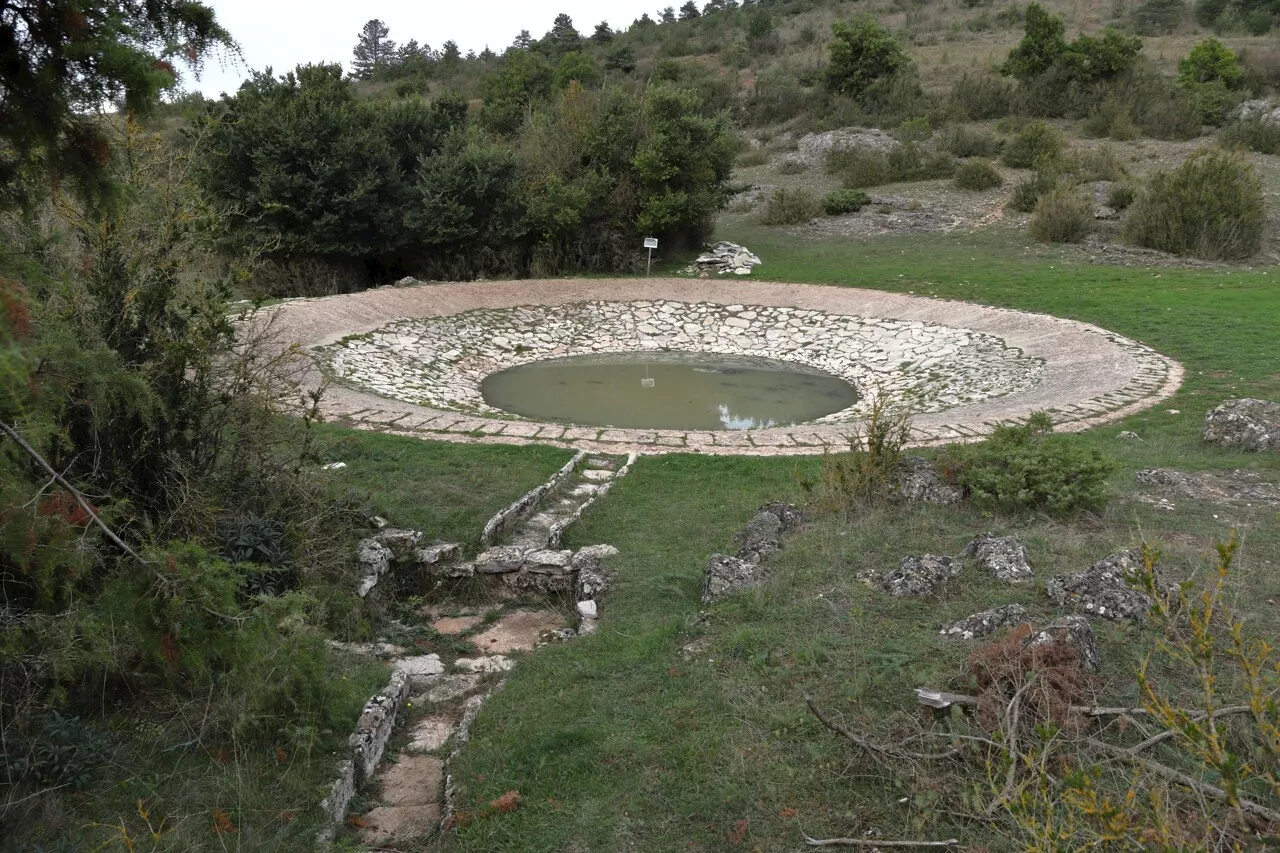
x: 986, y: 623
x: 813, y: 148
x: 1005, y: 557
x: 916, y: 480
x: 1247, y: 424
x: 1075, y: 633
x: 1106, y: 589
x: 727, y: 575
x: 919, y: 575
x: 1264, y: 111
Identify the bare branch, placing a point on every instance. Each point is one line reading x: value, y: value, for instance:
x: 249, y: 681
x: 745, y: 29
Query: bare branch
x: 875, y: 842
x: 875, y: 748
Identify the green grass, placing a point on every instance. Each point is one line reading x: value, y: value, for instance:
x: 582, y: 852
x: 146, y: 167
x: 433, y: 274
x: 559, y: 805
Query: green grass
x: 444, y: 489
x: 621, y: 741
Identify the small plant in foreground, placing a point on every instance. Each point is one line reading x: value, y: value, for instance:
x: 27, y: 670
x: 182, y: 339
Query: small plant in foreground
x: 790, y: 207
x: 865, y: 471
x: 978, y: 175
x: 1061, y: 216
x: 1025, y: 467
x: 845, y: 201
x: 1209, y: 207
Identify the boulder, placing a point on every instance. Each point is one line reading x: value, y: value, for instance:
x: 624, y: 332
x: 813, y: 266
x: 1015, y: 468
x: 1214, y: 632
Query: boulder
x: 813, y: 148
x: 1005, y: 557
x: 397, y: 538
x: 547, y: 562
x: 985, y: 623
x: 1074, y: 632
x: 726, y: 576
x: 1248, y: 424
x: 374, y: 560
x: 763, y: 534
x: 919, y: 575
x: 439, y: 553
x: 1105, y: 589
x: 917, y: 481
x: 1264, y: 111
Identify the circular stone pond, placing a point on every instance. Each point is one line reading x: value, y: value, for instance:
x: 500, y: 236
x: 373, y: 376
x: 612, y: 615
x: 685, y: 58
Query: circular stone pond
x: 431, y: 360
x: 666, y: 390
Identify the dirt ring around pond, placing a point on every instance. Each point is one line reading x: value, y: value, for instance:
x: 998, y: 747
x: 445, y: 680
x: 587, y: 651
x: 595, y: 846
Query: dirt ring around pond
x: 408, y: 359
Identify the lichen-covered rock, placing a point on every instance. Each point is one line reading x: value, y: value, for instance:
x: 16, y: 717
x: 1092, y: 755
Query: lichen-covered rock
x: 1162, y: 477
x: 434, y: 555
x: 919, y: 575
x: 985, y: 623
x: 726, y: 575
x: 763, y: 534
x: 592, y: 579
x: 1247, y: 423
x: 1074, y: 632
x: 374, y: 560
x: 813, y: 149
x: 547, y: 562
x: 398, y: 538
x: 500, y: 560
x: 539, y: 583
x: 1005, y: 557
x: 1106, y: 589
x: 917, y: 481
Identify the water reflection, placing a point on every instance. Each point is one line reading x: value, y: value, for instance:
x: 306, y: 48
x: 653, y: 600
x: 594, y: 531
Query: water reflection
x: 668, y: 390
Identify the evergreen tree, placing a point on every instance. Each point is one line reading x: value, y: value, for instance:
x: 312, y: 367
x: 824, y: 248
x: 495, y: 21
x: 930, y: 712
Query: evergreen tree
x: 668, y: 15
x: 450, y: 57
x: 524, y: 41
x: 689, y: 11
x: 603, y: 33
x: 563, y: 38
x: 374, y: 51
x: 62, y: 62
x: 487, y: 55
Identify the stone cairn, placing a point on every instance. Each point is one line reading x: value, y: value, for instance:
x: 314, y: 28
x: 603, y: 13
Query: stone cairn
x: 723, y: 258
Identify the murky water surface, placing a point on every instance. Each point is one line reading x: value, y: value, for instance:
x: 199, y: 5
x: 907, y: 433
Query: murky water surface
x: 668, y: 391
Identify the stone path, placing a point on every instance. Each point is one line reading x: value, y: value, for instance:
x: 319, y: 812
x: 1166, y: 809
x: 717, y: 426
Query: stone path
x: 1086, y: 375
x: 435, y: 701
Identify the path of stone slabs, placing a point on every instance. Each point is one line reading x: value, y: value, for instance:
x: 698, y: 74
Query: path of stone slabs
x: 411, y: 789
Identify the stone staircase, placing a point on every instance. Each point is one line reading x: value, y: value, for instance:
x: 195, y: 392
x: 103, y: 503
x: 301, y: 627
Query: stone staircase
x: 412, y: 792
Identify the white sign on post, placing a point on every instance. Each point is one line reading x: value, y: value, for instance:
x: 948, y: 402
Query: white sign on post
x: 650, y: 243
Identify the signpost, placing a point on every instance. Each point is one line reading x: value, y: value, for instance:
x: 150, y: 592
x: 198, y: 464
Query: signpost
x: 650, y: 243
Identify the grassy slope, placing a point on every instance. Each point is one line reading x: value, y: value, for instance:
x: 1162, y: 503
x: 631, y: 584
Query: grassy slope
x: 618, y: 742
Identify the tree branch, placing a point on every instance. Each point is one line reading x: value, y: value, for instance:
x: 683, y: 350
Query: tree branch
x: 875, y: 842
x: 875, y: 748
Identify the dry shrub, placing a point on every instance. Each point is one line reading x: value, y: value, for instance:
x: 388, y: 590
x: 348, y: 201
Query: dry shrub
x: 978, y: 175
x: 1043, y: 681
x: 790, y: 207
x: 1061, y: 216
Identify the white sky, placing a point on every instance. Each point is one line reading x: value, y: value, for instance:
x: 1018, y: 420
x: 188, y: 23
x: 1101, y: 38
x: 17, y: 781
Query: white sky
x: 286, y: 33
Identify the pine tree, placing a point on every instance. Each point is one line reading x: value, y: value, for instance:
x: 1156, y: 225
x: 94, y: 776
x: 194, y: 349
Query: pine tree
x: 563, y: 38
x: 374, y: 51
x: 450, y: 57
x: 689, y: 11
x: 668, y: 15
x: 524, y: 41
x: 603, y: 33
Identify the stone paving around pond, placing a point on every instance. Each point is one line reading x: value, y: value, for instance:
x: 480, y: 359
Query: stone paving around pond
x: 417, y: 355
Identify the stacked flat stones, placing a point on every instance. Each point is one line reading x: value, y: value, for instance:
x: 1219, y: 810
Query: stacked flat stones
x: 441, y: 361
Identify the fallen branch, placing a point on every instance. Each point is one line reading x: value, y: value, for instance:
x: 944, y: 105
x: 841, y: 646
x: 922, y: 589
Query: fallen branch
x: 876, y: 748
x: 875, y: 842
x: 1215, y: 793
x: 1229, y: 711
x: 75, y: 493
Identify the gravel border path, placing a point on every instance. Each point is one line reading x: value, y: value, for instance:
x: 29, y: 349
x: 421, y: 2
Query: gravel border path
x: 1091, y: 376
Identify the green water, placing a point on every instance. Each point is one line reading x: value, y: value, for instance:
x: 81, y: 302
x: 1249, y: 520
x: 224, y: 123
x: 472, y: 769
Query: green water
x: 668, y: 391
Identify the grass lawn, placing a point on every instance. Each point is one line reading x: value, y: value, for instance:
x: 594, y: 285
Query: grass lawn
x: 625, y: 741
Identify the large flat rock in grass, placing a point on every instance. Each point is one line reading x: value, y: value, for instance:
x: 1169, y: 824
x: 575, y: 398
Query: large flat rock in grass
x: 1106, y: 588
x: 1004, y: 557
x: 919, y: 575
x: 1247, y: 423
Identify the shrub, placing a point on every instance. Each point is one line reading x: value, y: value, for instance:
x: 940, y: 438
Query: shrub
x: 1096, y: 164
x: 1255, y: 134
x: 1027, y: 192
x: 1027, y: 468
x: 857, y: 168
x: 792, y: 166
x: 862, y: 53
x: 1210, y: 61
x: 910, y: 162
x: 789, y: 207
x: 1121, y: 196
x: 752, y: 157
x: 844, y: 201
x: 1209, y: 207
x: 1111, y: 119
x: 1041, y: 46
x: 977, y: 97
x: 978, y: 175
x: 1036, y: 143
x: 1061, y: 215
x: 1158, y: 17
x: 962, y: 141
x: 865, y: 472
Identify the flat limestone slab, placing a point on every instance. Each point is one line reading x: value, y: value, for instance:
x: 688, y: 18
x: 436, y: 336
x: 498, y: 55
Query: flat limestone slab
x: 1090, y: 376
